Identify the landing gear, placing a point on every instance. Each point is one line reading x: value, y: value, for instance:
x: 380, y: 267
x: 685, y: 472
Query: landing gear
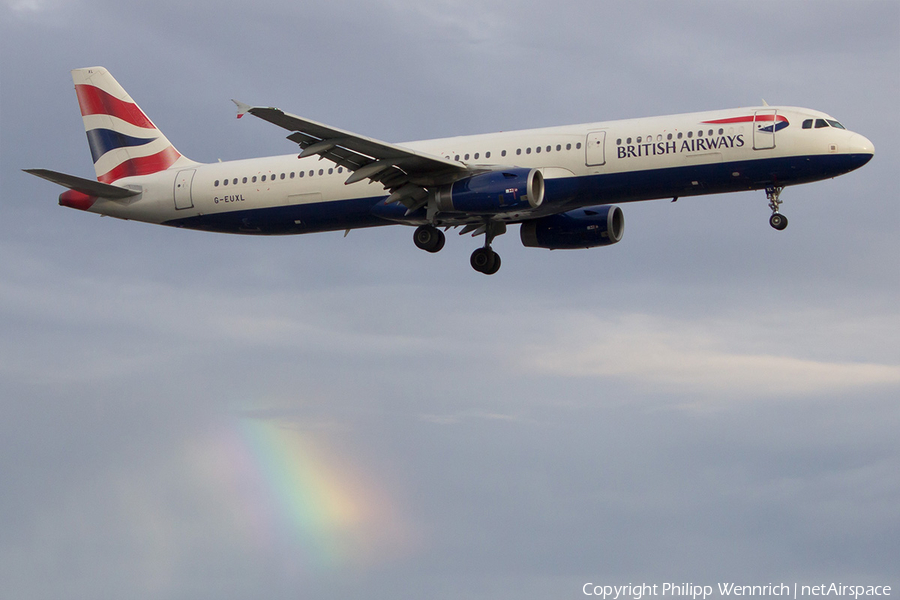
x: 429, y: 238
x: 777, y: 220
x: 485, y: 260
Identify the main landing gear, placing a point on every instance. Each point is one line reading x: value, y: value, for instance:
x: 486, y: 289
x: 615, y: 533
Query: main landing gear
x: 777, y: 220
x: 429, y: 238
x: 484, y: 259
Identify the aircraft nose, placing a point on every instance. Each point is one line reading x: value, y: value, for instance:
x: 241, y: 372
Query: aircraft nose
x: 861, y: 145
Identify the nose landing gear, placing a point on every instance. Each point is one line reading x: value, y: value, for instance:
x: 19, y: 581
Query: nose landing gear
x: 777, y: 220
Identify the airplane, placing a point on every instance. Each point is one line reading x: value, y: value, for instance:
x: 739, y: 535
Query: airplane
x: 560, y: 184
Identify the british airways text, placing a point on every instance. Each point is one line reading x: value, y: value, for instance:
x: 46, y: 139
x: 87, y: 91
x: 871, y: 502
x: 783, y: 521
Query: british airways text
x: 673, y: 147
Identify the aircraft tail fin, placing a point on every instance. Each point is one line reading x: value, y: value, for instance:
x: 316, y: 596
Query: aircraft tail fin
x: 124, y: 141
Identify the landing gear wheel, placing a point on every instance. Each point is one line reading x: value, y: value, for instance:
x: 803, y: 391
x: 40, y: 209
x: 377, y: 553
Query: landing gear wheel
x: 485, y: 260
x: 428, y: 238
x: 778, y: 221
x: 495, y: 266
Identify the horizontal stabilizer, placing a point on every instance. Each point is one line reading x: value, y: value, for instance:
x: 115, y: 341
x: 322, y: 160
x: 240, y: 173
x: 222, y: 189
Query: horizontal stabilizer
x: 85, y: 186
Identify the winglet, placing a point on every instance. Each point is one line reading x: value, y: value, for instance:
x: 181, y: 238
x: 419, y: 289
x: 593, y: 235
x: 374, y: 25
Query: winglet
x: 242, y: 108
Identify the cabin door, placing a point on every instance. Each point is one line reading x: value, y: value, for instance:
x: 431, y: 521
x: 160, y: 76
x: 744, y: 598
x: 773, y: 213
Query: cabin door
x: 764, y: 122
x: 183, y: 181
x: 595, y: 149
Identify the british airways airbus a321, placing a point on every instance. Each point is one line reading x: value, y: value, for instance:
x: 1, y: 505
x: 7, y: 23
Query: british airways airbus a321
x: 558, y: 183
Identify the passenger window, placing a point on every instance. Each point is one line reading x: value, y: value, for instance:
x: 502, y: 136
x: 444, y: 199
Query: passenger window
x: 340, y: 169
x: 628, y: 141
x: 558, y: 147
x: 679, y: 135
x: 487, y: 154
x: 321, y: 171
x: 225, y: 182
x: 301, y: 173
x: 527, y: 150
x: 467, y: 157
x: 700, y: 133
x: 548, y: 148
x: 282, y: 175
x: 669, y: 137
x: 568, y: 146
x: 710, y: 133
x: 235, y: 181
x: 659, y: 137
x: 578, y: 145
x: 253, y: 179
x: 311, y: 173
x: 456, y: 158
x: 330, y: 171
x: 721, y: 131
x: 538, y: 149
x: 503, y: 153
x: 690, y: 134
x: 820, y: 123
x: 518, y: 151
x: 476, y: 156
x: 639, y: 139
x: 216, y: 184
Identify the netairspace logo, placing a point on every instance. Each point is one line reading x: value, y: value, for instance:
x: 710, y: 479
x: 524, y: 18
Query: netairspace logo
x: 702, y: 592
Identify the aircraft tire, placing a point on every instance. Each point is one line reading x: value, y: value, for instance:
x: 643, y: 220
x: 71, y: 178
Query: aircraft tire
x: 429, y: 238
x: 778, y: 221
x: 485, y: 260
x: 495, y: 265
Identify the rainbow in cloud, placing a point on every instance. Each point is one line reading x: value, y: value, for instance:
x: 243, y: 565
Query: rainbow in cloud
x: 294, y: 494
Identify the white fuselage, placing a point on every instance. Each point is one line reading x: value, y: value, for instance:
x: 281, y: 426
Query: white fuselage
x: 583, y: 165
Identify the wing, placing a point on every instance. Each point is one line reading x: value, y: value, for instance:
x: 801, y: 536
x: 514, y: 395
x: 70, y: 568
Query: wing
x: 405, y: 172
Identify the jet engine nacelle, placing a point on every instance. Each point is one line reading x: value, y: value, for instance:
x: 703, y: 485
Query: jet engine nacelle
x: 492, y: 193
x: 581, y: 228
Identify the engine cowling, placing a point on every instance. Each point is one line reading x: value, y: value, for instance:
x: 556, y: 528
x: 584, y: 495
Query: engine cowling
x: 492, y: 193
x: 580, y: 228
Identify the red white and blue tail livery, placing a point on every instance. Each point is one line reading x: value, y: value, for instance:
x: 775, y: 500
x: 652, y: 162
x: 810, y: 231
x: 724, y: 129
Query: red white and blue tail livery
x: 559, y: 184
x: 123, y: 141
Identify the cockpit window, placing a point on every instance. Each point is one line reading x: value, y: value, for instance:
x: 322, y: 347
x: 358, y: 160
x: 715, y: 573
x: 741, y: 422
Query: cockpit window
x: 807, y: 124
x: 834, y: 123
x: 821, y: 123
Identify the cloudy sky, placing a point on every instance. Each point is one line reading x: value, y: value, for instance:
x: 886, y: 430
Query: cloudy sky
x: 193, y: 415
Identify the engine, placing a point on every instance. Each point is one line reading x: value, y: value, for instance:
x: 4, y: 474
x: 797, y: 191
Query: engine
x: 581, y: 228
x: 495, y: 192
